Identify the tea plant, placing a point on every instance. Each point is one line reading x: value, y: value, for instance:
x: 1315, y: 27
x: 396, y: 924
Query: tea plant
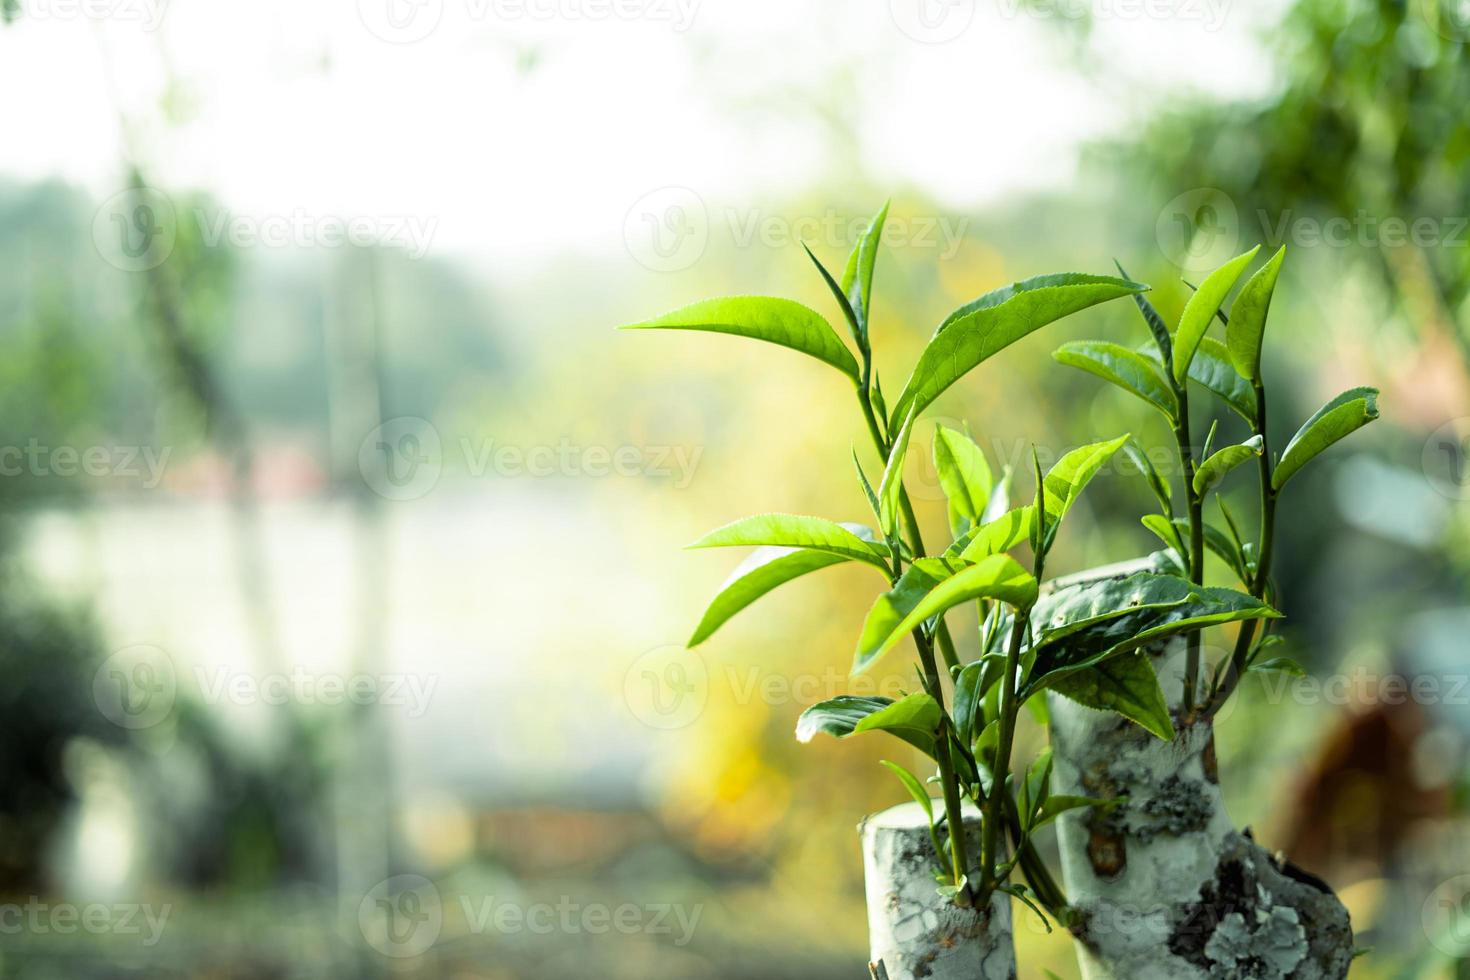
x: 1086, y: 644
x: 1159, y: 374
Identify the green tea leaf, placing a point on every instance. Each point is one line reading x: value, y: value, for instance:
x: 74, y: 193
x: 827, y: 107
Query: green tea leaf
x: 1211, y: 369
x: 1167, y: 531
x: 857, y: 279
x: 1069, y: 477
x: 1340, y: 417
x: 1002, y: 534
x: 971, y: 685
x: 996, y: 320
x: 764, y: 570
x: 965, y: 477
x: 890, y: 490
x: 777, y: 321
x: 1055, y: 806
x: 1125, y: 684
x: 1120, y: 366
x: 1282, y: 665
x: 1248, y: 317
x: 848, y: 313
x: 1065, y: 611
x: 1213, y: 470
x: 914, y: 718
x: 911, y: 783
x: 1000, y: 497
x: 997, y: 577
x: 1201, y: 309
x: 837, y: 716
x: 890, y: 610
x: 792, y: 531
x: 868, y: 494
x: 1064, y: 484
x: 1156, y: 483
x: 1163, y: 343
x: 1085, y: 625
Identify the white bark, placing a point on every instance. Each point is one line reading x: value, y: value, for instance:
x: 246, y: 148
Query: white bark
x: 1165, y: 887
x: 914, y: 930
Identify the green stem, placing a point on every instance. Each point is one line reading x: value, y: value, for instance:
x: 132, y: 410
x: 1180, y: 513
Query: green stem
x: 1052, y: 897
x: 1196, y: 556
x: 1258, y: 585
x: 994, y: 803
x: 948, y: 781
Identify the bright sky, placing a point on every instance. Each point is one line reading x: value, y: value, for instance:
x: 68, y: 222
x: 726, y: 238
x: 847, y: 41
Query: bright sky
x: 302, y: 105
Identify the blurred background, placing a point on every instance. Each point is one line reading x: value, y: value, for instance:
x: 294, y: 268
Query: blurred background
x: 342, y: 598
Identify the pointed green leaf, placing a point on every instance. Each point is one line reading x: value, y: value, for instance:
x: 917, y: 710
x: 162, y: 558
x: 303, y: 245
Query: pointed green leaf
x: 970, y: 687
x: 965, y: 477
x: 857, y: 278
x: 1069, y: 477
x: 1064, y: 484
x: 764, y: 570
x: 1248, y: 317
x: 996, y: 577
x: 1167, y: 531
x: 778, y: 321
x: 1000, y: 497
x: 1125, y: 684
x: 1212, y: 370
x: 914, y: 718
x: 996, y: 320
x: 891, y: 608
x: 1340, y: 417
x: 1282, y: 665
x: 1082, y: 626
x: 1163, y: 343
x: 843, y: 304
x: 911, y: 783
x: 890, y: 490
x: 993, y: 537
x: 1055, y: 806
x: 1213, y: 470
x: 868, y: 494
x: 1120, y: 366
x: 1201, y: 309
x: 1065, y: 611
x: 837, y: 716
x: 792, y: 531
x: 1156, y: 483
